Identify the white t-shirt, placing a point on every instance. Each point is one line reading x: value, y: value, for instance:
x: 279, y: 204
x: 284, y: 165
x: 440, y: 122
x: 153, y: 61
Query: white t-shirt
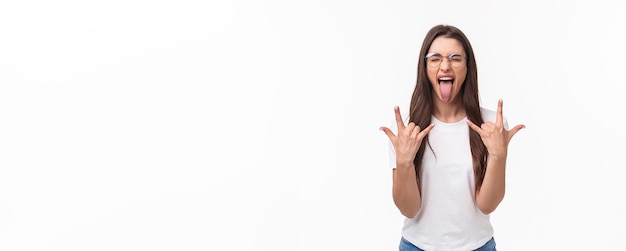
x: 449, y: 218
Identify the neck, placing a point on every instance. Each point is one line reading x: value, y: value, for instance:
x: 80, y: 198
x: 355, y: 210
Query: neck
x: 449, y: 112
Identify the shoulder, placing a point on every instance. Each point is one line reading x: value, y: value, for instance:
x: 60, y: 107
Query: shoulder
x: 488, y: 114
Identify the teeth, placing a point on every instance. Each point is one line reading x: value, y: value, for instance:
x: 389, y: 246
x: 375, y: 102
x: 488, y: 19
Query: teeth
x: 445, y: 78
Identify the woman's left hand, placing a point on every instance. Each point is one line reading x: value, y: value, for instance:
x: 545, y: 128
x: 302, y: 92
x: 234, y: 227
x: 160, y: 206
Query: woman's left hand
x: 494, y: 136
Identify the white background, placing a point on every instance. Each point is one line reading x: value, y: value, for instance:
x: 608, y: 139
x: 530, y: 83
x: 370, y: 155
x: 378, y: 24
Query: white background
x: 253, y: 125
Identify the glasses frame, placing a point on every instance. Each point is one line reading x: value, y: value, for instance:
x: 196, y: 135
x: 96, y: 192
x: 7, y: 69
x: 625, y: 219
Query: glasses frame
x: 449, y: 57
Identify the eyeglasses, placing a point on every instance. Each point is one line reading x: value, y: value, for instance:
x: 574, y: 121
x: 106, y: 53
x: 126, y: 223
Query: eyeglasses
x: 434, y: 59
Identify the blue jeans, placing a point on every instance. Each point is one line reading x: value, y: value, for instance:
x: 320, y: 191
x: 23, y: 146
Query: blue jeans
x: 407, y: 246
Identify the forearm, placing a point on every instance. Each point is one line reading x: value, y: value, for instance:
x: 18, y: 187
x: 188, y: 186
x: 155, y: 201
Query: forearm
x: 406, y: 194
x: 492, y: 190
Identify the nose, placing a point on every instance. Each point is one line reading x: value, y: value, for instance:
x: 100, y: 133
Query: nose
x: 445, y: 64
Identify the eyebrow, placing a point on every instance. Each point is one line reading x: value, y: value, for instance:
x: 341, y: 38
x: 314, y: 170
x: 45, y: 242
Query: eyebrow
x: 430, y: 54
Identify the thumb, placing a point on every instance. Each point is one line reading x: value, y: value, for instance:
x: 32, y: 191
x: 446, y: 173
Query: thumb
x: 515, y: 130
x: 387, y: 131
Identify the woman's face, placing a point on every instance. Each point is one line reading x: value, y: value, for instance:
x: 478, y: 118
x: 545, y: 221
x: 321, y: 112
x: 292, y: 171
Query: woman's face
x: 448, y: 76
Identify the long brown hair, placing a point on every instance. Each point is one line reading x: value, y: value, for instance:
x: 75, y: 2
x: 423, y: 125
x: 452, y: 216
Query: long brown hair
x: 421, y: 108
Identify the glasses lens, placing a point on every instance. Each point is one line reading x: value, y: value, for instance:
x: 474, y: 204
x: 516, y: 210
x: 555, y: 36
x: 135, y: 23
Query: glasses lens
x: 434, y: 61
x: 457, y: 60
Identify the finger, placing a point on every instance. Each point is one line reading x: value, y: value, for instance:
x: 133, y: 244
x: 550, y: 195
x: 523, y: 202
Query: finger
x: 410, y: 127
x: 408, y: 130
x: 415, y: 133
x: 388, y: 132
x: 488, y: 127
x: 475, y: 127
x: 426, y: 130
x: 499, y: 114
x: 398, y: 118
x: 515, y: 130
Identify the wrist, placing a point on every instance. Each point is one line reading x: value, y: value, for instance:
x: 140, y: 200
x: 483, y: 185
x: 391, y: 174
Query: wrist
x: 404, y: 164
x: 497, y: 157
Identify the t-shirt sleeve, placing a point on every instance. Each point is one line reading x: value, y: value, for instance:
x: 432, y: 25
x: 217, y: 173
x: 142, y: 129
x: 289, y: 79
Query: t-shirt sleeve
x: 505, y: 123
x: 490, y: 115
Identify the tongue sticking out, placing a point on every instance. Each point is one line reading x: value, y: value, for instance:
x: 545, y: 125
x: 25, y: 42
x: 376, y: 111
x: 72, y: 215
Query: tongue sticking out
x: 445, y: 88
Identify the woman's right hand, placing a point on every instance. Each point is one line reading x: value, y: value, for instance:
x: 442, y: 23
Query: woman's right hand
x: 408, y: 141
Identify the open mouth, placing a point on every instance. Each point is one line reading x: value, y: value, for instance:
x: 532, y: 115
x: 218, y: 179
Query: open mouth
x: 445, y: 88
x: 445, y: 79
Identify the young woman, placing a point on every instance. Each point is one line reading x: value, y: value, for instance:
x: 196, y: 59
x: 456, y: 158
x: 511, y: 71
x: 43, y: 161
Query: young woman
x: 448, y: 154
